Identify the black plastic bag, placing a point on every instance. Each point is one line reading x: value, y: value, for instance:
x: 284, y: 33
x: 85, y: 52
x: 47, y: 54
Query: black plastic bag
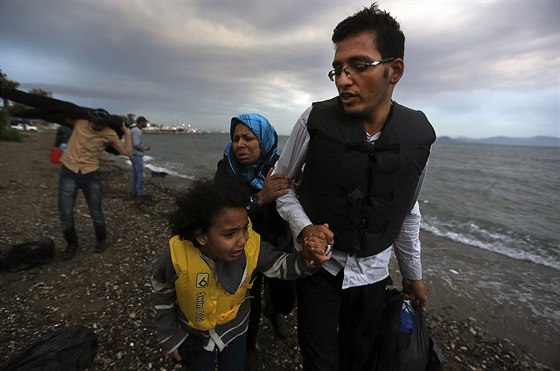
x: 386, y: 352
x: 437, y: 359
x: 69, y: 348
x: 415, y: 347
x: 397, y: 349
x: 26, y: 255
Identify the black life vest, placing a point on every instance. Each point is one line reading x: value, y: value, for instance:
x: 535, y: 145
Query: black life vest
x: 363, y: 191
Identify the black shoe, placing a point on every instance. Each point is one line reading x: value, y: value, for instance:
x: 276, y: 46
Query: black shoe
x: 69, y: 252
x: 280, y: 326
x: 144, y: 200
x: 146, y: 197
x: 100, y: 247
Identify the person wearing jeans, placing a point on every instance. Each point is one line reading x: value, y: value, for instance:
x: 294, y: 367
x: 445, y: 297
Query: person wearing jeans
x: 69, y: 185
x: 80, y: 164
x: 137, y: 158
x: 93, y: 131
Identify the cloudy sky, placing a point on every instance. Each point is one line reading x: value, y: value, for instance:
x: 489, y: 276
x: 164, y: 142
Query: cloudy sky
x: 476, y: 68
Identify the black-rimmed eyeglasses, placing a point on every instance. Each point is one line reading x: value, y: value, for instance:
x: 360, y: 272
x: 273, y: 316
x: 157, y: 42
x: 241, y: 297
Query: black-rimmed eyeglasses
x: 357, y: 67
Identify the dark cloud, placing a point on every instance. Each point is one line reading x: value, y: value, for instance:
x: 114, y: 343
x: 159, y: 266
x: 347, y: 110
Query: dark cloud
x: 204, y: 61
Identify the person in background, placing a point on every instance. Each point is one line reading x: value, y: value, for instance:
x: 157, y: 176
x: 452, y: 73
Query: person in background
x: 250, y: 156
x: 80, y: 162
x: 201, y: 283
x: 137, y: 158
x: 93, y: 131
x: 62, y: 137
x: 365, y: 157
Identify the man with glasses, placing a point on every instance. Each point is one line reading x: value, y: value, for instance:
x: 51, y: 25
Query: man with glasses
x: 365, y: 157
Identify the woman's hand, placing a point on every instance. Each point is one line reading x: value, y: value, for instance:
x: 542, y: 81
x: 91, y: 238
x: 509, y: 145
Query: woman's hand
x: 274, y: 186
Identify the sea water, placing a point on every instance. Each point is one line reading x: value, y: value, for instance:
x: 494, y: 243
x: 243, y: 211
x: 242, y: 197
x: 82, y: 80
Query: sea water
x: 502, y: 201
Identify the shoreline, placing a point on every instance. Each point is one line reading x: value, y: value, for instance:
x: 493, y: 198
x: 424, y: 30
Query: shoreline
x: 498, y: 292
x: 109, y: 291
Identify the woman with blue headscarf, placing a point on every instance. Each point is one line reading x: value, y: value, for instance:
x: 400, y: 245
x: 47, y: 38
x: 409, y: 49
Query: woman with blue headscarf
x: 250, y: 156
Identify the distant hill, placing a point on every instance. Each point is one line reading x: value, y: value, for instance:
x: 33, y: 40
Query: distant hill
x: 539, y: 141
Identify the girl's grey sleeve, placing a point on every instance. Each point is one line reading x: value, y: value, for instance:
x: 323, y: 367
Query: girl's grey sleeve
x: 170, y: 334
x: 277, y: 264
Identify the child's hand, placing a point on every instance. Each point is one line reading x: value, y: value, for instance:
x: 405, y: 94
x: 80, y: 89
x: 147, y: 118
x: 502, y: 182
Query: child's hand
x: 176, y: 355
x: 317, y: 251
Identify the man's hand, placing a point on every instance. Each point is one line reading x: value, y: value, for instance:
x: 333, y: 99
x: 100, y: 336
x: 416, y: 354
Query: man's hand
x: 125, y: 129
x: 314, y: 241
x: 415, y: 291
x: 317, y: 250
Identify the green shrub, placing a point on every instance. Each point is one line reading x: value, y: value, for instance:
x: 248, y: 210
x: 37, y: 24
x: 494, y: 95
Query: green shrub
x: 9, y: 134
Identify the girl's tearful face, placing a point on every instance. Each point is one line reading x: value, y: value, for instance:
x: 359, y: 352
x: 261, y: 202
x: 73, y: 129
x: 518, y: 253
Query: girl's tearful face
x: 226, y: 238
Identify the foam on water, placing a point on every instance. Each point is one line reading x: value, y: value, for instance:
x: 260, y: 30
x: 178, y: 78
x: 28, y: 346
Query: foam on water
x: 473, y: 235
x: 161, y: 169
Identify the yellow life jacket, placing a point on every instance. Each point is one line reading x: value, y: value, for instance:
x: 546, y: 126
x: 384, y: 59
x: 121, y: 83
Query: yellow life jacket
x: 202, y: 299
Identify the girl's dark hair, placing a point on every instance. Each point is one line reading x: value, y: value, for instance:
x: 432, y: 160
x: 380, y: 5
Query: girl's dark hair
x: 202, y: 203
x: 390, y: 38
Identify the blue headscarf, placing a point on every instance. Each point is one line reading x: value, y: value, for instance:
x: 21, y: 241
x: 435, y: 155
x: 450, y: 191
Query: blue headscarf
x: 254, y: 174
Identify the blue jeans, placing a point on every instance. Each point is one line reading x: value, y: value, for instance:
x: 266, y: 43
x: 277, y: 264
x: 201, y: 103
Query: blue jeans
x: 232, y: 358
x: 68, y: 185
x: 137, y: 184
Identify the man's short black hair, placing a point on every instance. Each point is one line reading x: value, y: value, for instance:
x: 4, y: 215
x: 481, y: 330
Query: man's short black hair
x: 100, y: 117
x: 390, y: 38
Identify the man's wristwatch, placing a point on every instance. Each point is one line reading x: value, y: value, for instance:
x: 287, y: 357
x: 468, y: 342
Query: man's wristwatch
x: 254, y: 201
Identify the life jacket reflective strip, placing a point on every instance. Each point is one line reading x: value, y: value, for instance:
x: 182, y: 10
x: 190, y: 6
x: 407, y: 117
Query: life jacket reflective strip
x: 202, y: 299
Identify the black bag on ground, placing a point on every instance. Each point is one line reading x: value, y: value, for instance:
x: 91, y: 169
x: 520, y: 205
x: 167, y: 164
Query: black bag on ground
x: 27, y: 254
x: 395, y: 350
x: 69, y: 348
